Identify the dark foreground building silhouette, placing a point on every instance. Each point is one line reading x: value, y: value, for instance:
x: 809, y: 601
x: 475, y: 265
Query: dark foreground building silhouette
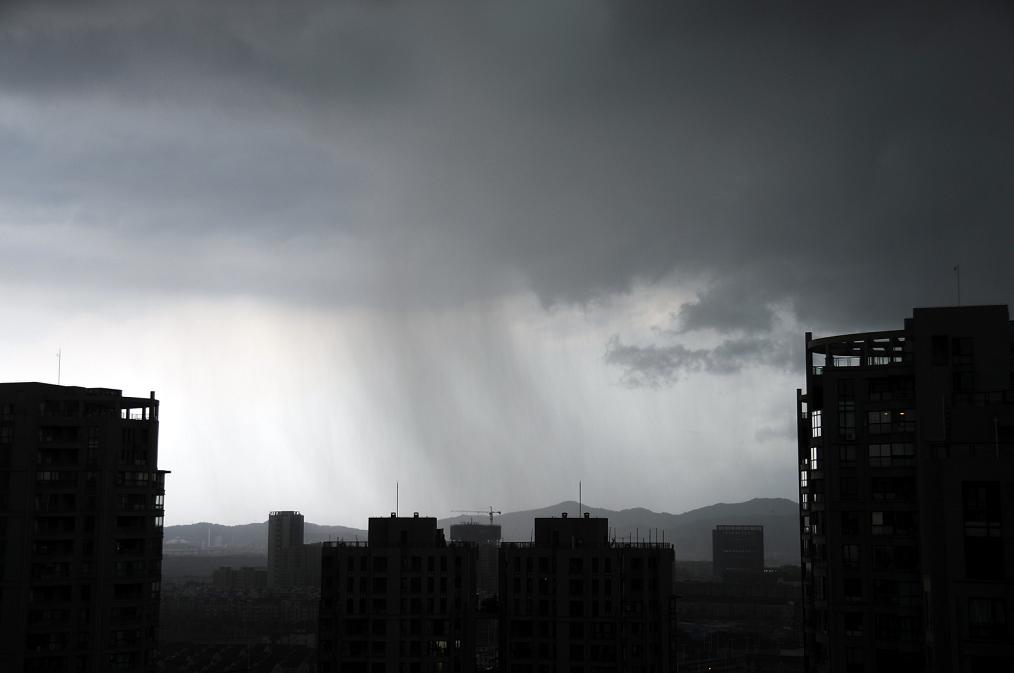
x: 571, y: 601
x: 402, y: 601
x: 906, y: 457
x: 81, y: 505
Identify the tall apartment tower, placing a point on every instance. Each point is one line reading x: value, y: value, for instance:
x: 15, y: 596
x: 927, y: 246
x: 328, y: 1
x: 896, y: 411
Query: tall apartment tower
x: 575, y: 601
x: 403, y: 601
x: 906, y: 481
x: 737, y: 553
x: 486, y: 538
x: 285, y: 532
x: 81, y: 505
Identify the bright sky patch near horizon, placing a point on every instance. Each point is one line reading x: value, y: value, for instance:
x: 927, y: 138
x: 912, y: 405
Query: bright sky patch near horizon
x: 483, y: 249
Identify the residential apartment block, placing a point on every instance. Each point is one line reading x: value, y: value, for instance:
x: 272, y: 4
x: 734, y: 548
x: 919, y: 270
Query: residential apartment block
x: 906, y: 481
x: 405, y: 600
x: 81, y: 505
x: 573, y: 600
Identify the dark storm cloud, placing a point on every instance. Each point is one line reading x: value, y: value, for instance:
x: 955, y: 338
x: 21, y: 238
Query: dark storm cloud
x: 657, y: 366
x: 723, y: 306
x: 835, y: 161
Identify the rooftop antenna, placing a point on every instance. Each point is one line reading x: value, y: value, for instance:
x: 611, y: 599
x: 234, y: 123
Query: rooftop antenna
x: 579, y: 499
x: 957, y: 279
x: 397, y: 499
x: 59, y: 363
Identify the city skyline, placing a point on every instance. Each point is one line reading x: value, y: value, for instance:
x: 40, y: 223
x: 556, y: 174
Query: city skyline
x: 486, y: 251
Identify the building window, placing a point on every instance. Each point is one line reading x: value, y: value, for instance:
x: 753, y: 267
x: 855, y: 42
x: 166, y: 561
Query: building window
x: 852, y: 589
x: 814, y: 457
x: 890, y: 388
x: 905, y: 593
x: 850, y: 523
x: 847, y: 456
x: 892, y: 523
x: 962, y: 351
x: 850, y: 555
x: 848, y: 488
x: 853, y: 623
x: 963, y: 381
x: 892, y: 488
x: 895, y: 454
x: 884, y: 421
x: 854, y: 660
x: 987, y: 618
x: 847, y: 409
x: 878, y: 422
x: 901, y: 557
x: 815, y: 423
x: 939, y: 346
x: 984, y: 557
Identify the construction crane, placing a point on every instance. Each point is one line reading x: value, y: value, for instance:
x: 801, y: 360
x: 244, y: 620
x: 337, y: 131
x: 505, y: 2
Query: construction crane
x: 491, y: 512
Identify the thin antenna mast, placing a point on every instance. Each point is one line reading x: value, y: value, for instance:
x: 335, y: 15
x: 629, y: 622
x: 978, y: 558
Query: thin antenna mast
x: 59, y: 364
x: 397, y: 502
x: 579, y: 499
x: 957, y: 279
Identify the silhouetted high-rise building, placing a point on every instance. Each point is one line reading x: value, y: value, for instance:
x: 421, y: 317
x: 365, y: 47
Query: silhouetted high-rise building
x: 575, y: 601
x: 403, y: 601
x: 285, y: 533
x: 81, y: 506
x: 906, y: 457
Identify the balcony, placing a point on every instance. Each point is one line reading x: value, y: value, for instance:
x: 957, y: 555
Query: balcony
x: 54, y: 479
x: 864, y: 350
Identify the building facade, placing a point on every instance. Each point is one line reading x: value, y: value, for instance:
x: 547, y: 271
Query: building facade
x: 486, y: 538
x: 572, y: 600
x: 285, y: 542
x: 737, y: 553
x: 906, y: 476
x: 81, y: 507
x: 403, y: 601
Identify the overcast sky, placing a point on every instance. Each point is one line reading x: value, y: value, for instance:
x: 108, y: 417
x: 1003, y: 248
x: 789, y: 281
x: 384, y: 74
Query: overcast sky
x: 486, y: 249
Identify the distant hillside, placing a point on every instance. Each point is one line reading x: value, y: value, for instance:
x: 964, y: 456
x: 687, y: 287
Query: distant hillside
x: 689, y: 531
x: 249, y: 536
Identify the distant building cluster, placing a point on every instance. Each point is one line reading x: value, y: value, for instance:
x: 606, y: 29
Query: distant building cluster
x: 245, y: 578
